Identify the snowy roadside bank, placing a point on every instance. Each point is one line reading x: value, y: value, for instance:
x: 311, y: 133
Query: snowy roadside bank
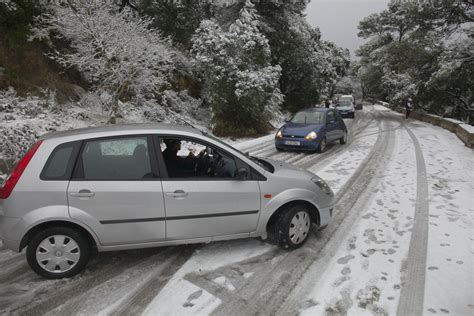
x: 464, y: 131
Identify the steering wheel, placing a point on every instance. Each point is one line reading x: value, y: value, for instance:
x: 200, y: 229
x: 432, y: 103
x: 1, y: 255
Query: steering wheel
x: 202, y: 163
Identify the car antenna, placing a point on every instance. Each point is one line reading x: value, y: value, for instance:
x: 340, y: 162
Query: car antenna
x: 186, y: 122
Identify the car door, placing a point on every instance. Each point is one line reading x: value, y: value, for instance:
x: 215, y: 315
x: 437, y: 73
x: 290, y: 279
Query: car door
x: 115, y: 189
x: 341, y: 126
x: 203, y: 198
x: 331, y: 126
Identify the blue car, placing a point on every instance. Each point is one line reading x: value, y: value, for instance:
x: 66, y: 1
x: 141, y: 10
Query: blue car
x: 311, y: 130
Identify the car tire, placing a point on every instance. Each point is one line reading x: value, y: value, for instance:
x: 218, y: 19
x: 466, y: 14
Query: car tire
x: 279, y: 149
x: 322, y: 145
x: 293, y: 227
x: 343, y: 139
x: 72, y: 252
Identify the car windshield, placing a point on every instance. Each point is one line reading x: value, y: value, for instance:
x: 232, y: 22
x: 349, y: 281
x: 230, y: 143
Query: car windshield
x: 308, y: 117
x: 344, y: 103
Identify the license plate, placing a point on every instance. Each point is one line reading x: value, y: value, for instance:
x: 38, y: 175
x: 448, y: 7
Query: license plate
x: 292, y: 143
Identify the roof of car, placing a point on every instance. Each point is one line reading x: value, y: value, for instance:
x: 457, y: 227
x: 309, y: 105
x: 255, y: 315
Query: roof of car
x: 120, y: 128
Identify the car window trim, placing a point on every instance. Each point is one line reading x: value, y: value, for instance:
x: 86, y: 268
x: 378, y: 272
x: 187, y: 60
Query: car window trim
x: 238, y: 162
x: 78, y: 173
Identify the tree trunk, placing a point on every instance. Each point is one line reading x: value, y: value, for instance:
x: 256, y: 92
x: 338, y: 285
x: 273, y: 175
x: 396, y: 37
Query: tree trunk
x: 115, y: 110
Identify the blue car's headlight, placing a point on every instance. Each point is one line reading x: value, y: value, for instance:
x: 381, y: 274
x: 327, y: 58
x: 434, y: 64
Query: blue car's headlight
x: 311, y: 136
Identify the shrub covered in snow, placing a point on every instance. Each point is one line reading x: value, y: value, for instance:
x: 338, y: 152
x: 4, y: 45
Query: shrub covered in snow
x: 115, y: 50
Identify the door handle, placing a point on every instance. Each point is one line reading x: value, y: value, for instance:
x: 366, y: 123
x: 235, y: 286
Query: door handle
x: 177, y: 194
x: 82, y: 194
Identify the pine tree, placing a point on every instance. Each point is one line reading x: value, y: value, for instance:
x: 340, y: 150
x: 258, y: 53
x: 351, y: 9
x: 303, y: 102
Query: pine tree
x: 242, y: 85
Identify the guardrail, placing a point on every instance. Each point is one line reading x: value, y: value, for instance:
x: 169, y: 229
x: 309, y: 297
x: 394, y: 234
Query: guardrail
x: 464, y: 131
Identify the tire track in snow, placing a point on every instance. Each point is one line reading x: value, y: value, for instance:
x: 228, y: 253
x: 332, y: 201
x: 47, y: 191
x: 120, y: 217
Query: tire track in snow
x: 140, y: 299
x: 48, y: 295
x: 413, y: 278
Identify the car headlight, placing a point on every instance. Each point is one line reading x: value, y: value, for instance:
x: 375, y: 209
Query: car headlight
x: 279, y: 134
x: 322, y: 185
x: 311, y: 136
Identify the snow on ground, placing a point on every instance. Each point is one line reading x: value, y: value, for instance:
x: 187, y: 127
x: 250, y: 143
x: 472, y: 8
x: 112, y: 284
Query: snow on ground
x: 343, y: 167
x: 364, y: 275
x: 181, y: 297
x: 450, y: 269
x: 254, y: 142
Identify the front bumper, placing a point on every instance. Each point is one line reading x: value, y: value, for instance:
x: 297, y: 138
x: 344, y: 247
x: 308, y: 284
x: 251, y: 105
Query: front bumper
x: 347, y: 114
x: 304, y: 145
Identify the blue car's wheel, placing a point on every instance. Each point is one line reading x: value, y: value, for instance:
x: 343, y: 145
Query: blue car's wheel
x: 322, y: 145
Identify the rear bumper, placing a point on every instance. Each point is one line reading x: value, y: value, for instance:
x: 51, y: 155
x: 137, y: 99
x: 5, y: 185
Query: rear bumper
x: 9, y: 232
x: 305, y: 145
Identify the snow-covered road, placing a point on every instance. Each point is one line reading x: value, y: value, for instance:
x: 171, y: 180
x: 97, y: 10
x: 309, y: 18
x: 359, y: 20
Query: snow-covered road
x: 401, y: 241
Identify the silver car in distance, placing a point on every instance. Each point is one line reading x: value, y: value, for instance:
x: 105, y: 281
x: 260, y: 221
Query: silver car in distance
x: 146, y: 185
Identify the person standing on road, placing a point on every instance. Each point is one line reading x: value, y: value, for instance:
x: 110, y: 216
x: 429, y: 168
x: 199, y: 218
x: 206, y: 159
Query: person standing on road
x: 327, y: 103
x: 408, y: 107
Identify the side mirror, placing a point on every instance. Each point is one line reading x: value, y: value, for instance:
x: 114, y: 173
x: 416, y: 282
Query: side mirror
x: 241, y: 174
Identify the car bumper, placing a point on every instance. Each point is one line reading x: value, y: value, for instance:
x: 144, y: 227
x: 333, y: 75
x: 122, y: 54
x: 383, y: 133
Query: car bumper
x: 346, y: 114
x: 304, y: 145
x: 325, y: 215
x: 8, y: 229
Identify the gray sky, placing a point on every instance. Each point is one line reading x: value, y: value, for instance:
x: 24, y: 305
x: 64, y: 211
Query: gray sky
x: 338, y: 19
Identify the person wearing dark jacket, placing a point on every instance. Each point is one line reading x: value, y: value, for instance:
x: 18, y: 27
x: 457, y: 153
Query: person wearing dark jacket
x: 408, y: 107
x: 327, y: 103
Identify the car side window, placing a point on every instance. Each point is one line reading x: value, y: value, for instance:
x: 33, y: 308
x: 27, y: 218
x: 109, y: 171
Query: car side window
x: 190, y: 159
x: 61, y: 162
x: 330, y: 116
x: 338, y: 116
x: 124, y: 158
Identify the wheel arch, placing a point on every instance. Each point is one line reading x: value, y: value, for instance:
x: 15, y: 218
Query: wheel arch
x: 314, y: 212
x: 57, y: 223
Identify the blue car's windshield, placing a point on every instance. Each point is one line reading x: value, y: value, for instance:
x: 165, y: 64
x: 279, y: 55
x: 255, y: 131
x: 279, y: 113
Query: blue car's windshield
x: 344, y: 103
x: 308, y: 117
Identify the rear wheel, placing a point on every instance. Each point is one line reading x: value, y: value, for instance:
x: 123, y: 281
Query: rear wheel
x: 343, y: 140
x: 293, y: 226
x: 322, y: 145
x: 58, y: 252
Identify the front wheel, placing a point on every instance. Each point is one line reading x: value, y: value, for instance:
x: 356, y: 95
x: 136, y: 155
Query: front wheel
x: 58, y: 252
x: 293, y: 226
x: 322, y: 145
x: 343, y: 140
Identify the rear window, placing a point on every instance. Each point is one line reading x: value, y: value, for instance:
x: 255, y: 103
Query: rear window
x: 60, y: 163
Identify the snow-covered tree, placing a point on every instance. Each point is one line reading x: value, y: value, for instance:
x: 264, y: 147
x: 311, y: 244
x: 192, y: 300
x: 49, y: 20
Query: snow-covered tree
x: 242, y: 85
x: 115, y: 50
x: 400, y: 87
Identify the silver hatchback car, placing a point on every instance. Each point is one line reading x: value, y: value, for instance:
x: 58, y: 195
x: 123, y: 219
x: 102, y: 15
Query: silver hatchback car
x: 147, y: 185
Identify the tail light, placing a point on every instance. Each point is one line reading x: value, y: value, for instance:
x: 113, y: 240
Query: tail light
x: 15, y: 175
